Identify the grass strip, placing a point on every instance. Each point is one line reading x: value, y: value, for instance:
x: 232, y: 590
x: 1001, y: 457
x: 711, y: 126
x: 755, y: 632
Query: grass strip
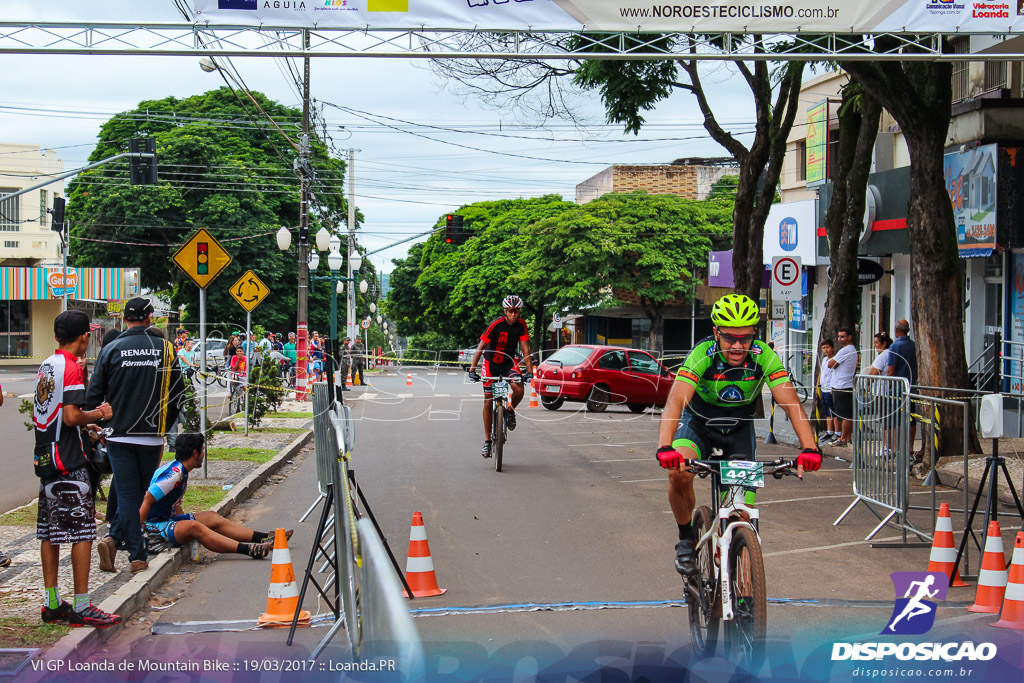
x: 245, y: 454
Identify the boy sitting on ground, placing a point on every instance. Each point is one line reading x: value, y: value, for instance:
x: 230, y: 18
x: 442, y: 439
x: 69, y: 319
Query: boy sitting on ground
x: 161, y: 512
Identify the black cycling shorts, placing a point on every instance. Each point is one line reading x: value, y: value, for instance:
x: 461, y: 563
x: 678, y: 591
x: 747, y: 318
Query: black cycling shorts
x: 695, y: 433
x: 492, y: 369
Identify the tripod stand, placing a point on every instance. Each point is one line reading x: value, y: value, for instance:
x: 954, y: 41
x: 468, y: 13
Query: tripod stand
x: 993, y: 465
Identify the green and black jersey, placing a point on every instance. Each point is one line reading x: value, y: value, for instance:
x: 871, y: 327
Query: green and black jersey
x: 726, y: 391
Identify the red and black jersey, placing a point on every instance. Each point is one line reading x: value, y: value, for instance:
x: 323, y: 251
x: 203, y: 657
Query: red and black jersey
x: 502, y: 340
x: 59, y: 382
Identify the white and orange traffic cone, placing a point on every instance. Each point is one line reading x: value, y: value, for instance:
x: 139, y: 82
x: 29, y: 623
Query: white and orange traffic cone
x: 533, y: 397
x: 943, y: 555
x: 348, y: 380
x: 419, y: 568
x: 1012, y: 615
x: 408, y: 379
x: 283, y: 595
x: 992, y: 576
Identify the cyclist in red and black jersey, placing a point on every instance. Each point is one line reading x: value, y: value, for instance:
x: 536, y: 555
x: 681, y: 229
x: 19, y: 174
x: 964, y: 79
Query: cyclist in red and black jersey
x: 498, y: 346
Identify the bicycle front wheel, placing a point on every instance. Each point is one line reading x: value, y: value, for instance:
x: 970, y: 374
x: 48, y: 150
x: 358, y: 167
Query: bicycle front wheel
x: 744, y: 634
x: 498, y: 434
x: 703, y: 599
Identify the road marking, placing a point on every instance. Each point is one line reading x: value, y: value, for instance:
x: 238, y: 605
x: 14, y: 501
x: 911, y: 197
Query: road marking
x: 797, y: 551
x: 637, y: 481
x: 442, y: 395
x: 617, y: 445
x: 404, y: 395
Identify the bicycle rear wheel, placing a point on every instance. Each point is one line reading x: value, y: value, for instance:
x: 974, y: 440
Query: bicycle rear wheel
x: 498, y: 434
x: 703, y: 599
x: 744, y: 634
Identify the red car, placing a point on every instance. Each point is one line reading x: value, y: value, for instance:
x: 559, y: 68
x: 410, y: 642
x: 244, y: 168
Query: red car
x: 601, y: 376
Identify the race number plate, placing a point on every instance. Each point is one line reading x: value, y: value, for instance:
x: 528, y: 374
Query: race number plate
x: 500, y: 390
x: 743, y: 473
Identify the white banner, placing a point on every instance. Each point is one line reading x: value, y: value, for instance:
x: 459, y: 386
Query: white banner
x: 740, y: 16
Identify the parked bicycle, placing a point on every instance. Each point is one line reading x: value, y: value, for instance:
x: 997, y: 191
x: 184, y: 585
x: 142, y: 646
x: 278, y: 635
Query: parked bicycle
x: 501, y: 396
x: 802, y: 392
x: 733, y: 592
x: 236, y: 391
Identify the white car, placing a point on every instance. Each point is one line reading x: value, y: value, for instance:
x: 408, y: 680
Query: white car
x: 466, y: 356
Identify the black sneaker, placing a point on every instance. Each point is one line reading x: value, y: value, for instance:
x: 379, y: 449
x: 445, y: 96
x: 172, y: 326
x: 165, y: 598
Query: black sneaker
x: 486, y: 452
x: 259, y: 551
x: 52, y: 616
x: 92, y: 616
x: 510, y: 419
x: 684, y: 557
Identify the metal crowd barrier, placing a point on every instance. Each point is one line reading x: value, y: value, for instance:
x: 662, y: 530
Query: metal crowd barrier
x: 387, y: 629
x: 881, y: 451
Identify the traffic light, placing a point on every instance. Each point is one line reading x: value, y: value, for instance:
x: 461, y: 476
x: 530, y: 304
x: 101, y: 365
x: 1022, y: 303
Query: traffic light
x: 203, y: 258
x: 142, y: 171
x: 453, y: 233
x: 57, y: 225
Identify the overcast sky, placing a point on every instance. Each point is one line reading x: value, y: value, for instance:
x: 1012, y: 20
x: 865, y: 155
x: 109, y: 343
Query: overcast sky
x: 403, y: 180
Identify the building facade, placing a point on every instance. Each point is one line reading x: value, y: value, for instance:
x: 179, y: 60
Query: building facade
x: 31, y: 279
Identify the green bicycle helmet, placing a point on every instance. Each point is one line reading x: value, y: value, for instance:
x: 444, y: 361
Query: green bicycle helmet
x: 735, y: 310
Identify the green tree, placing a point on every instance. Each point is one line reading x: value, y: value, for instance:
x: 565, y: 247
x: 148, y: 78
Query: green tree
x: 221, y: 170
x: 623, y: 249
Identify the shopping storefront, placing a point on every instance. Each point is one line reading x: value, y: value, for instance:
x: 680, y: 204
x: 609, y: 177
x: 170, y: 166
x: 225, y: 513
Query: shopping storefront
x: 28, y: 305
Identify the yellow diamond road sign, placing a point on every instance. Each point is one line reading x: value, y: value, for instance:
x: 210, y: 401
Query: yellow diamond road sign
x: 202, y: 258
x: 249, y: 290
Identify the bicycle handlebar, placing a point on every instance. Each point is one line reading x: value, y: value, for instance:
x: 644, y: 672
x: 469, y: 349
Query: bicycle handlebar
x: 516, y: 378
x: 782, y: 467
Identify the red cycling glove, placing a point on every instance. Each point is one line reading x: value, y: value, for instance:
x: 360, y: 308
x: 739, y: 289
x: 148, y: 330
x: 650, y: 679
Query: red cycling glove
x: 809, y: 459
x: 670, y: 458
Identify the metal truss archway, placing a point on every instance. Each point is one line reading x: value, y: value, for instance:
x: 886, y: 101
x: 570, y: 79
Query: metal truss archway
x: 185, y: 39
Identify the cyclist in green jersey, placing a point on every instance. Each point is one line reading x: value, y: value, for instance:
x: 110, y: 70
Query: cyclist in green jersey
x: 712, y: 403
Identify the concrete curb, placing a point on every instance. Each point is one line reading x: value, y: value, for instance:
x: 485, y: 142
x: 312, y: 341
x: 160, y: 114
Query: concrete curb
x: 132, y: 596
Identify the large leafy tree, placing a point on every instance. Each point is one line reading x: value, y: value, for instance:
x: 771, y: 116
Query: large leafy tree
x: 222, y: 167
x: 624, y: 249
x: 556, y: 255
x: 628, y: 89
x: 919, y: 96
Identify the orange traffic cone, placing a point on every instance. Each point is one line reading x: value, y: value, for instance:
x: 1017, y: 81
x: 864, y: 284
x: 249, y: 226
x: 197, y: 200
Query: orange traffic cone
x: 943, y: 555
x: 533, y: 397
x: 348, y: 380
x: 419, y: 568
x: 992, y: 576
x: 408, y: 379
x: 1013, y: 602
x: 283, y: 596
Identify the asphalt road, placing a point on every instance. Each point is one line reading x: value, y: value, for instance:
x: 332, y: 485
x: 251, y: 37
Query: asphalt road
x: 20, y: 482
x: 578, y: 517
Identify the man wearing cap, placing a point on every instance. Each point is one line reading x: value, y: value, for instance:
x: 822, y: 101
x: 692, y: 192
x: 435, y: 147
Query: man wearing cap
x: 66, y: 508
x: 138, y: 375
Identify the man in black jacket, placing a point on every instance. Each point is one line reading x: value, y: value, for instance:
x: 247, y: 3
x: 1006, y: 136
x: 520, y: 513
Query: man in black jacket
x: 137, y: 374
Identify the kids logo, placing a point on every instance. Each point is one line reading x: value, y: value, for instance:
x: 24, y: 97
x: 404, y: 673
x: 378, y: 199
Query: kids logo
x: 914, y: 611
x: 788, y: 234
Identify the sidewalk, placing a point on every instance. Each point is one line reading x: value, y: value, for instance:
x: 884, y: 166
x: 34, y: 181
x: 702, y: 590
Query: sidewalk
x: 231, y: 481
x: 951, y: 470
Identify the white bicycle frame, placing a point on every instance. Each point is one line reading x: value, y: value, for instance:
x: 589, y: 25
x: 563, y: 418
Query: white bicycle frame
x: 723, y: 542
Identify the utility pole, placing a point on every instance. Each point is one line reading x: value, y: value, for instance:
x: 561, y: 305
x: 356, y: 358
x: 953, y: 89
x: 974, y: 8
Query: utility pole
x: 350, y: 314
x: 302, y: 314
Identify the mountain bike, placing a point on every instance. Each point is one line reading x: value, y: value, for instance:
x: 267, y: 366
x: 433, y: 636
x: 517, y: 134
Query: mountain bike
x: 236, y: 391
x: 733, y: 592
x: 501, y: 398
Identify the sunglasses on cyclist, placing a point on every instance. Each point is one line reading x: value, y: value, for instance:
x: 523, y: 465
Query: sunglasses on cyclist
x: 732, y: 340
